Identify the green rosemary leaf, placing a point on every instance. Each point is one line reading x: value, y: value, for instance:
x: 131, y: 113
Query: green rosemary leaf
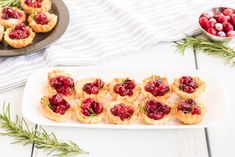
x: 207, y: 46
x: 13, y: 3
x: 42, y: 140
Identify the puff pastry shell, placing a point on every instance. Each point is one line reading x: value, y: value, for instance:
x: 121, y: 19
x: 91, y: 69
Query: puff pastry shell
x: 150, y: 121
x: 82, y: 94
x: 115, y: 96
x: 146, y: 94
x: 188, y: 118
x: 47, y: 111
x: 50, y: 90
x: 20, y: 43
x: 199, y: 90
x: 45, y: 6
x: 12, y: 22
x: 43, y: 28
x: 115, y: 119
x: 89, y: 119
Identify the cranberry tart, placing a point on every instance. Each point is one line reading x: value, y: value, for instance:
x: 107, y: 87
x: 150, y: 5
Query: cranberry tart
x: 90, y: 111
x: 60, y: 82
x: 188, y: 87
x: 189, y: 111
x: 19, y: 36
x: 91, y: 87
x: 156, y: 87
x: 1, y: 32
x: 122, y: 112
x: 11, y: 16
x: 155, y: 112
x: 124, y: 88
x: 35, y: 5
x: 42, y: 22
x: 56, y: 108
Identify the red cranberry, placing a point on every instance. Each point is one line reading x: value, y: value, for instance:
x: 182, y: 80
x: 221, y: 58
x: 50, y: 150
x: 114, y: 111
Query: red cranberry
x: 217, y: 15
x: 228, y: 26
x: 187, y: 84
x: 19, y: 32
x: 203, y: 21
x: 85, y: 112
x: 87, y: 88
x: 156, y: 110
x: 123, y: 111
x: 62, y: 84
x: 210, y: 24
x: 34, y: 3
x: 8, y: 13
x: 231, y: 33
x: 222, y: 19
x: 97, y: 107
x: 218, y: 26
x: 213, y: 20
x: 221, y: 34
x: 91, y: 107
x: 207, y: 15
x: 125, y: 88
x: 95, y: 90
x: 41, y: 18
x: 196, y: 110
x: 233, y: 19
x: 228, y: 12
x: 212, y: 31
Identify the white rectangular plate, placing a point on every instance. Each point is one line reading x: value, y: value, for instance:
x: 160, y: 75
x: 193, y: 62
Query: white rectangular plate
x: 213, y: 98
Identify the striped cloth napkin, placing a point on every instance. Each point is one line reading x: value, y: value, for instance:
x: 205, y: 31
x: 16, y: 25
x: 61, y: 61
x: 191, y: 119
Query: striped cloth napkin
x: 103, y: 29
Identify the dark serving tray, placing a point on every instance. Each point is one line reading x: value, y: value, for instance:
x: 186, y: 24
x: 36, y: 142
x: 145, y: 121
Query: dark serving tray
x: 42, y: 40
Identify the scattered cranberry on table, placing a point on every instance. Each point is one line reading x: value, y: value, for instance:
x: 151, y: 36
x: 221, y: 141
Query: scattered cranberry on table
x: 222, y: 23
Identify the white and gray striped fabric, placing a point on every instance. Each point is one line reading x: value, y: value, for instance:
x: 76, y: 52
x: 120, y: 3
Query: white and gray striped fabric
x: 103, y: 29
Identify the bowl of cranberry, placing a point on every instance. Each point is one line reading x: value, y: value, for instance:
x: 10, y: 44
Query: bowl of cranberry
x: 218, y: 24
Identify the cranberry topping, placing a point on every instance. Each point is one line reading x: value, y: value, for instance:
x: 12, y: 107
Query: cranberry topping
x: 157, y: 88
x: 19, y: 32
x: 8, y: 13
x: 58, y: 104
x: 156, y: 110
x: 125, y: 88
x: 41, y: 18
x: 123, y: 111
x: 90, y: 107
x: 34, y: 3
x: 189, y: 106
x: 62, y: 84
x: 93, y: 87
x: 187, y: 84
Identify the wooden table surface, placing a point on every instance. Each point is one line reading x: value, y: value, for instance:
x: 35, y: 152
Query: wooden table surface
x: 211, y: 142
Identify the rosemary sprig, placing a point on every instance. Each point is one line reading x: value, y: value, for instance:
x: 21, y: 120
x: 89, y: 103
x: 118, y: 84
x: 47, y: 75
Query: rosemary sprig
x: 207, y: 46
x: 13, y: 3
x: 42, y: 140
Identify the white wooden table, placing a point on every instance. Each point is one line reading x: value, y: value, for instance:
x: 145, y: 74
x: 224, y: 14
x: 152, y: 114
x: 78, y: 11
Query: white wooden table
x: 212, y: 142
